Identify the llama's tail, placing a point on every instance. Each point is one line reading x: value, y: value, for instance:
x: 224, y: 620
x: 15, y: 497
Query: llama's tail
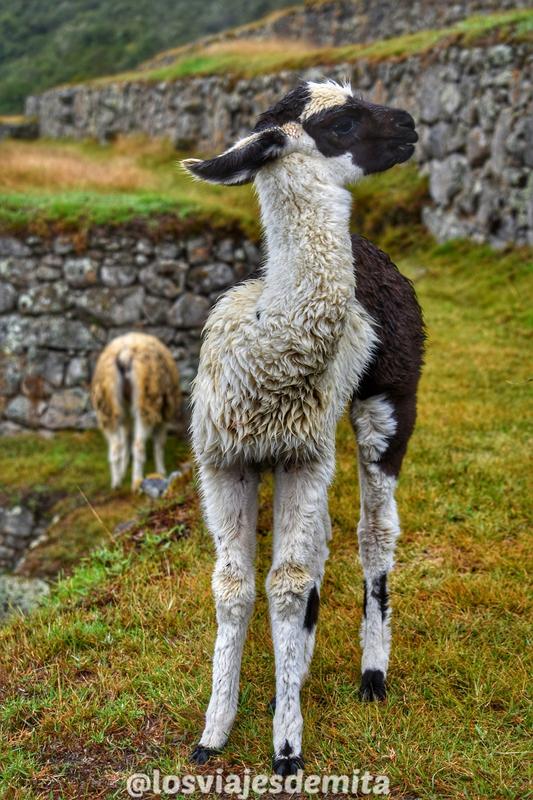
x: 125, y: 379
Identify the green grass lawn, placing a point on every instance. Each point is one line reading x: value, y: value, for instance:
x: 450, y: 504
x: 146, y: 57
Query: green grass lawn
x: 112, y: 676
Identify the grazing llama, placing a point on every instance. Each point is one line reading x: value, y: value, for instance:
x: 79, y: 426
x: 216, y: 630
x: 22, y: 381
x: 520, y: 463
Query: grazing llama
x: 135, y: 386
x: 331, y: 321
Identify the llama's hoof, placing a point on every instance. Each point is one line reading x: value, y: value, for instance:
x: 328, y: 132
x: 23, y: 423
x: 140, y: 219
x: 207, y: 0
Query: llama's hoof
x: 373, y: 685
x: 287, y: 765
x: 201, y: 755
x: 154, y: 486
x: 272, y: 705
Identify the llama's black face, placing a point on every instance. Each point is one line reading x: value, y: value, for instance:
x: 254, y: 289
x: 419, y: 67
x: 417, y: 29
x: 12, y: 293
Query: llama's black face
x: 376, y: 137
x: 321, y: 120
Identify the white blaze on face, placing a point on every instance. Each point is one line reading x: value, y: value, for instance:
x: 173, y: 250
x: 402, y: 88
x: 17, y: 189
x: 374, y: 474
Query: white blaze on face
x: 324, y: 96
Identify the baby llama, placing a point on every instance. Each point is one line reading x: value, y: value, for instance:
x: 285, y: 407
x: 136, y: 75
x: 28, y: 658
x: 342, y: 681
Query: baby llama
x: 330, y: 322
x: 135, y: 389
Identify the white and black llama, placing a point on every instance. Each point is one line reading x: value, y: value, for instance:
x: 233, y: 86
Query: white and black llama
x: 331, y: 321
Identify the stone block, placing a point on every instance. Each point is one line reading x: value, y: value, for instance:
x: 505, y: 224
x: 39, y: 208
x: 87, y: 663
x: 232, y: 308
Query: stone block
x: 189, y: 311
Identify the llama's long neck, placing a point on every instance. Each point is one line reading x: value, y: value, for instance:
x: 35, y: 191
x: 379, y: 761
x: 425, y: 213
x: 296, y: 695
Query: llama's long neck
x: 309, y: 275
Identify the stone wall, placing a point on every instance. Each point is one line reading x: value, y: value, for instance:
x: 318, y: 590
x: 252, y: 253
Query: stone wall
x: 60, y: 304
x: 20, y: 525
x: 473, y: 106
x: 18, y: 128
x: 352, y: 21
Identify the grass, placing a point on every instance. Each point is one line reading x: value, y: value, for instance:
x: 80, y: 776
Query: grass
x: 80, y: 184
x: 112, y: 676
x: 67, y: 478
x: 247, y: 58
x: 74, y: 184
x: 14, y: 119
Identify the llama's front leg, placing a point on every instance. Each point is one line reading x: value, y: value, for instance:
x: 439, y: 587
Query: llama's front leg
x: 312, y: 609
x: 293, y: 584
x: 230, y: 499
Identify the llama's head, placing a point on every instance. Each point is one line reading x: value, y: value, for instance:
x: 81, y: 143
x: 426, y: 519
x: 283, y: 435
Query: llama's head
x: 322, y: 121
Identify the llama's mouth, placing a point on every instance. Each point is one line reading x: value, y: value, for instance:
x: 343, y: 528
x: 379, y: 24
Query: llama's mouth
x: 404, y: 151
x: 410, y: 136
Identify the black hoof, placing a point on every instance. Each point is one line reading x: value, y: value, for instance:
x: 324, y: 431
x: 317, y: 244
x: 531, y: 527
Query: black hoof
x: 287, y: 765
x: 373, y: 685
x: 201, y: 755
x: 272, y: 705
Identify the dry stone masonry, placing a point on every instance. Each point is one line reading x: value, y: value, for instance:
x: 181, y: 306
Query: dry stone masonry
x: 60, y: 305
x: 18, y: 527
x: 340, y: 22
x: 23, y: 521
x: 473, y: 106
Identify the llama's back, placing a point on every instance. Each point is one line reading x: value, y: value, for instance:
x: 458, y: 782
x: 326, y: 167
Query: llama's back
x: 135, y: 376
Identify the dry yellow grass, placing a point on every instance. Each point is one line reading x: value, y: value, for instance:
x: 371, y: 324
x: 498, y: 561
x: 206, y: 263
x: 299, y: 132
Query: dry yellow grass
x: 254, y: 47
x: 212, y: 45
x: 59, y: 166
x: 99, y: 184
x: 13, y: 119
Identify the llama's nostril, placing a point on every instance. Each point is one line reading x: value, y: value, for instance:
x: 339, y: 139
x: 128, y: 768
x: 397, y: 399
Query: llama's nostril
x: 406, y: 121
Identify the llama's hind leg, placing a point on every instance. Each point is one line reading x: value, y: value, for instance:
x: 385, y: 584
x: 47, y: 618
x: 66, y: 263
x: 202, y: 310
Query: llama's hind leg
x: 141, y: 434
x: 123, y: 435
x: 230, y: 499
x: 160, y: 437
x: 300, y: 551
x: 383, y: 427
x: 117, y: 454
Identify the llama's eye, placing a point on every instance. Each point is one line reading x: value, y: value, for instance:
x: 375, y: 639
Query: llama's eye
x: 344, y: 126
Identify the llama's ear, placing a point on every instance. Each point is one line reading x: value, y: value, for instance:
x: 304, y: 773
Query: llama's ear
x: 241, y: 162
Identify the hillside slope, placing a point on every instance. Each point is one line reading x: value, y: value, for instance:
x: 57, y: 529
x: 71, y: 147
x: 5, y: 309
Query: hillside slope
x: 43, y: 44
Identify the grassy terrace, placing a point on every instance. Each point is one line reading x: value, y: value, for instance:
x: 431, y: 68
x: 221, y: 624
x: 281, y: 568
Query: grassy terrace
x: 245, y: 58
x: 74, y: 185
x: 112, y: 676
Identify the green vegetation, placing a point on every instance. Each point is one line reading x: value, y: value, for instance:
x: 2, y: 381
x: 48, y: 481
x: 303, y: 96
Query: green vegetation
x: 79, y: 184
x: 245, y: 59
x: 44, y: 44
x: 72, y: 208
x: 152, y: 185
x: 137, y: 179
x: 112, y: 676
x: 68, y: 478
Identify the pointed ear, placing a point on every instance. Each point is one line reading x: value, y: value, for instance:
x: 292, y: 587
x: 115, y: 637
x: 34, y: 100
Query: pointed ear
x: 241, y: 162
